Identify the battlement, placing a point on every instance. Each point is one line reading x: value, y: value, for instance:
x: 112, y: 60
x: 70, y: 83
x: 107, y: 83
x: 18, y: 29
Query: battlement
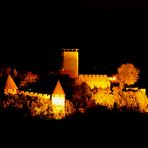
x: 10, y: 91
x: 99, y: 81
x: 92, y: 76
x: 70, y: 64
x: 33, y: 94
x: 70, y: 49
x: 40, y: 95
x: 58, y: 95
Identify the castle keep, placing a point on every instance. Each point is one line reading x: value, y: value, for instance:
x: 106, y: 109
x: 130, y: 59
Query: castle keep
x: 70, y: 62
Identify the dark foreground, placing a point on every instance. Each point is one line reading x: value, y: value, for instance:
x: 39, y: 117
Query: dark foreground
x: 97, y: 118
x: 95, y: 123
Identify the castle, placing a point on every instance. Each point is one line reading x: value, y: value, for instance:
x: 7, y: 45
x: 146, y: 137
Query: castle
x: 70, y: 66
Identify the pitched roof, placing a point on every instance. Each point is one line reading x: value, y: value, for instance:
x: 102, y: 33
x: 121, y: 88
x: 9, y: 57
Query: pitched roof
x: 58, y: 89
x: 10, y: 84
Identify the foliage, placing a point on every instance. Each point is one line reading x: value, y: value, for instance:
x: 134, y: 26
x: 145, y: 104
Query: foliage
x: 41, y: 108
x: 35, y: 106
x: 135, y: 100
x: 142, y: 101
x: 29, y: 78
x: 127, y: 74
x: 81, y: 94
x: 104, y: 97
x: 132, y: 100
x: 69, y: 108
x: 30, y: 106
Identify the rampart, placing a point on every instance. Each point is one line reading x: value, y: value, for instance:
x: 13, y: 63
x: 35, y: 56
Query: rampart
x: 99, y: 81
x: 33, y: 94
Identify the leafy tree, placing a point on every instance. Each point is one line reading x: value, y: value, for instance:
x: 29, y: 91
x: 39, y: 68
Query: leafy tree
x: 127, y: 74
x: 69, y: 108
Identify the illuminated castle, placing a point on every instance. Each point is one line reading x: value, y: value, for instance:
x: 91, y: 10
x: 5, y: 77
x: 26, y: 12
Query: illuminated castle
x: 70, y: 66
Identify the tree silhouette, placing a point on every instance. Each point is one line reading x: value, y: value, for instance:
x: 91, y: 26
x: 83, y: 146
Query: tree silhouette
x: 81, y: 94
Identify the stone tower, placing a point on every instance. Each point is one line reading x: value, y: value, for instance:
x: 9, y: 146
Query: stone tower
x: 10, y: 86
x: 58, y: 99
x: 70, y: 62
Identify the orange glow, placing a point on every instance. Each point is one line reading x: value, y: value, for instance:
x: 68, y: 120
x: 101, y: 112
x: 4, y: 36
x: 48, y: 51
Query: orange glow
x: 55, y: 105
x: 104, y: 98
x: 58, y: 101
x: 113, y: 78
x: 99, y: 81
x: 58, y: 106
x: 10, y: 86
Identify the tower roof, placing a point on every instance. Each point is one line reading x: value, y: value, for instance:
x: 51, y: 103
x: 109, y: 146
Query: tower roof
x: 10, y: 84
x: 58, y: 89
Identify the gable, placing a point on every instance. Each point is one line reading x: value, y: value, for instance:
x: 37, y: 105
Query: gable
x: 58, y: 89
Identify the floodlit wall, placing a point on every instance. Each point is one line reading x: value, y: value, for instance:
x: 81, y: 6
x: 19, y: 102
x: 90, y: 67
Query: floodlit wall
x: 10, y: 91
x: 70, y: 62
x: 99, y: 81
x: 33, y: 94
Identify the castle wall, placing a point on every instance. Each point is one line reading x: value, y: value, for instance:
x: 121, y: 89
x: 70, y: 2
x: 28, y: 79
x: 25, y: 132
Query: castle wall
x: 99, y: 81
x: 33, y: 94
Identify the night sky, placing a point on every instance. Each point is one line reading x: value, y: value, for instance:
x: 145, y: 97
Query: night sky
x: 107, y: 34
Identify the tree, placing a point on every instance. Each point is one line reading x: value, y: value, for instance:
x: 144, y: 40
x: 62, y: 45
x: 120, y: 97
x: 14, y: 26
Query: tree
x: 29, y: 78
x: 127, y: 74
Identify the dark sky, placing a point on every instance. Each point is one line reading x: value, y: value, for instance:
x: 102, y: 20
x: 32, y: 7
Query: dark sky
x: 107, y: 33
